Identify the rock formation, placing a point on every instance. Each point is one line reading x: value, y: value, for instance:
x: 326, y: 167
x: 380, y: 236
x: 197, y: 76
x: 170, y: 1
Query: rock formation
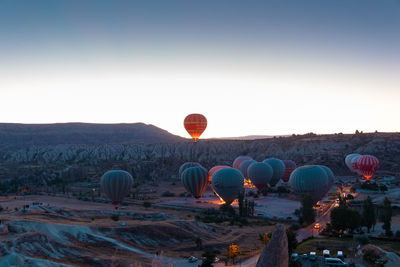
x: 275, y: 253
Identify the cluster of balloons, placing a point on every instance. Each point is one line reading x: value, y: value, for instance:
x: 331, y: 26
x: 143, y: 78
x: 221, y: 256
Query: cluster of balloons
x: 270, y: 171
x: 116, y: 185
x: 225, y: 181
x: 364, y: 165
x: 315, y: 180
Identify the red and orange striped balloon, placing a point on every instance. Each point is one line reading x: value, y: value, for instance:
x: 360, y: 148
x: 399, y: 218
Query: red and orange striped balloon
x: 195, y: 124
x: 367, y: 165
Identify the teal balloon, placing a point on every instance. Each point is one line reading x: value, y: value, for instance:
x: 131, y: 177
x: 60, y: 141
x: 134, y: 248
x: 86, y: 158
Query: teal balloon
x: 187, y: 165
x: 260, y: 174
x: 195, y: 180
x: 311, y: 180
x: 116, y: 185
x: 330, y: 174
x: 278, y: 168
x: 227, y: 183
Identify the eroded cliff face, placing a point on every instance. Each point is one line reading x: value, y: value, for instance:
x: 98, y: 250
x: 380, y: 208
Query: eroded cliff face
x: 275, y: 254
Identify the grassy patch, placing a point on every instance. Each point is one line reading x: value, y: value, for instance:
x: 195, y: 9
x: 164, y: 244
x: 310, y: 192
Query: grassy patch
x: 319, y: 244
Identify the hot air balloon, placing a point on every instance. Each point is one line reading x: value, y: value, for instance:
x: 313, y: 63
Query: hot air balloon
x: 290, y: 166
x: 244, y: 165
x: 367, y: 165
x: 186, y: 165
x: 116, y: 185
x: 329, y: 173
x: 348, y: 159
x: 278, y: 167
x: 238, y: 160
x: 260, y: 174
x: 195, y: 124
x: 227, y: 183
x: 354, y: 165
x: 195, y: 180
x: 310, y: 180
x: 214, y: 169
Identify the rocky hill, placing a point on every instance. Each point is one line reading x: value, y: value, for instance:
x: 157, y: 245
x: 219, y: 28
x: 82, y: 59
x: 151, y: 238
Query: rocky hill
x: 14, y: 135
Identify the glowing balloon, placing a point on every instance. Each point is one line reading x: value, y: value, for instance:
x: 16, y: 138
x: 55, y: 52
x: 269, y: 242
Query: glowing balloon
x: 244, y: 165
x: 310, y: 180
x: 260, y: 174
x: 195, y: 124
x: 367, y: 165
x: 238, y: 160
x: 290, y: 166
x: 278, y: 167
x: 187, y: 165
x: 195, y: 180
x: 116, y: 185
x: 227, y: 183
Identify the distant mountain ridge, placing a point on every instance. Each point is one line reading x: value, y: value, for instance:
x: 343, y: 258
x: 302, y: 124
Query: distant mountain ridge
x: 15, y: 134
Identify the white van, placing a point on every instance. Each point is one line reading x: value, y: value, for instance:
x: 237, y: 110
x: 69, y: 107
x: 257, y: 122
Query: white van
x: 313, y: 256
x: 326, y: 253
x: 334, y: 262
x: 340, y: 254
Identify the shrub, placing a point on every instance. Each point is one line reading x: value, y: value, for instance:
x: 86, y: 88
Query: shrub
x: 114, y: 217
x: 361, y: 239
x: 147, y: 204
x: 167, y: 194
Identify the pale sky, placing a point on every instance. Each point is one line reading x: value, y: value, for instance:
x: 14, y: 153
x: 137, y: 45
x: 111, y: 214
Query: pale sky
x: 251, y: 67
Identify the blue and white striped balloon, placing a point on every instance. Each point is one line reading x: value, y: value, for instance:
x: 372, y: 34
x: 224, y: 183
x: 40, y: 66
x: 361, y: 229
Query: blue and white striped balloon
x: 195, y: 180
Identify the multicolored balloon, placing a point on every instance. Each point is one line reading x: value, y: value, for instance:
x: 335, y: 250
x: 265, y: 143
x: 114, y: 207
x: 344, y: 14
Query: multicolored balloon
x: 278, y: 167
x: 260, y: 174
x: 238, y: 160
x: 227, y: 183
x: 195, y: 180
x: 195, y: 124
x: 244, y: 166
x: 367, y: 165
x: 310, y: 180
x: 290, y: 166
x: 187, y: 165
x: 116, y: 185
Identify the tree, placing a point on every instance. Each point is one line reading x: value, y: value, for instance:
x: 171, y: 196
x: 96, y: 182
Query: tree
x: 199, y: 242
x: 292, y: 240
x: 264, y: 238
x: 240, y: 202
x: 386, y: 216
x: 368, y: 214
x: 307, y: 213
x: 343, y: 218
x: 209, y: 257
x: 233, y: 251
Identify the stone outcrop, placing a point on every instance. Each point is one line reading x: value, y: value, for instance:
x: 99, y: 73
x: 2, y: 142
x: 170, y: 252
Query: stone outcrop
x: 275, y: 253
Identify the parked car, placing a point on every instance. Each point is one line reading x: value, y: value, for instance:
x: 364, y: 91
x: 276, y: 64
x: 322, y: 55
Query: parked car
x: 334, y: 262
x: 340, y: 254
x: 326, y: 253
x: 304, y: 256
x: 313, y: 256
x: 295, y: 256
x: 316, y: 226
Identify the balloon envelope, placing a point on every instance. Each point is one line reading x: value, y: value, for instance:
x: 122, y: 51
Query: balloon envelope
x: 187, y: 165
x: 214, y: 169
x: 116, y: 185
x: 290, y: 166
x: 238, y: 160
x: 354, y: 165
x: 278, y: 168
x: 244, y: 166
x: 330, y: 174
x: 195, y: 180
x: 310, y: 180
x: 260, y: 174
x: 227, y: 183
x: 348, y: 159
x: 367, y: 165
x: 195, y: 124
